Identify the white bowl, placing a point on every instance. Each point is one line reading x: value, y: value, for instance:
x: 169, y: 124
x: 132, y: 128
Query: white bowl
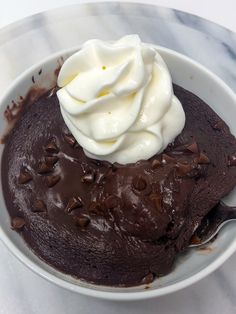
x: 190, y: 267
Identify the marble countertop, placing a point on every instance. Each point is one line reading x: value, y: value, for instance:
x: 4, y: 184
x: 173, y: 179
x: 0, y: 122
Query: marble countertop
x: 22, y: 291
x: 221, y: 12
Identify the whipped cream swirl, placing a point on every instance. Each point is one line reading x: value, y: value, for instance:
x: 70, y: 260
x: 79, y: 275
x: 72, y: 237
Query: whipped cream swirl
x: 117, y: 100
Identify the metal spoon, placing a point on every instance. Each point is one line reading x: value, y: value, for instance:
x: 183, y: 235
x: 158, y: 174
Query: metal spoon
x: 212, y: 224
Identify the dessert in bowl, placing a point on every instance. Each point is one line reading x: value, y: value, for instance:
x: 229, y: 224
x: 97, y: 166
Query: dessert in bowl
x: 108, y: 175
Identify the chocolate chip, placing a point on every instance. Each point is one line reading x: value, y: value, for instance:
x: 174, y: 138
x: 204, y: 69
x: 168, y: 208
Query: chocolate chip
x: 82, y: 221
x: 51, y: 147
x: 95, y: 208
x: 17, y: 223
x: 232, y: 160
x: 25, y: 176
x: 74, y: 202
x: 192, y: 148
x: 156, y: 199
x: 69, y: 138
x: 112, y: 201
x: 203, y: 159
x: 52, y: 180
x: 183, y: 169
x: 88, y: 177
x: 156, y: 164
x: 218, y: 125
x: 44, y: 167
x: 166, y: 159
x: 51, y: 160
x: 148, y: 279
x: 139, y: 183
x: 39, y: 207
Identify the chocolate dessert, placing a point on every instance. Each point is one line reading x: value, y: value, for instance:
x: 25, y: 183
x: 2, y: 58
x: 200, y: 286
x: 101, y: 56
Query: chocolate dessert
x: 109, y: 223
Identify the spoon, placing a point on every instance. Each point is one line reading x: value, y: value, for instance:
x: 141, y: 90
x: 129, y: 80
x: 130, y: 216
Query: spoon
x: 212, y: 223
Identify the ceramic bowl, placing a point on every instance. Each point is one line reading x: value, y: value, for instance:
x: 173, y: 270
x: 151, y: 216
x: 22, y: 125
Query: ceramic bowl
x: 194, y: 264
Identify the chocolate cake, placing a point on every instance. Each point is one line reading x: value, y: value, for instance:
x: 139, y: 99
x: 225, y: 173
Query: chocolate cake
x: 107, y: 223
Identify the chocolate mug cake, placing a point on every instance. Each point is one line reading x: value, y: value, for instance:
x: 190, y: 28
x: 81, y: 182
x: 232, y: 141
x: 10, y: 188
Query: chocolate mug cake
x: 108, y: 175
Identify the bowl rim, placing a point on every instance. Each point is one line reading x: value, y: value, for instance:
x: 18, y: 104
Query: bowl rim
x: 113, y: 295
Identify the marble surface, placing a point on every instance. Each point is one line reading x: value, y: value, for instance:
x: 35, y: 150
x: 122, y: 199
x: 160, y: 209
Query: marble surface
x: 223, y: 12
x: 32, y: 39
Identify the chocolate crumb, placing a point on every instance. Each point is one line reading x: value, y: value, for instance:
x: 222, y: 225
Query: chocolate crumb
x: 205, y: 249
x: 33, y: 80
x: 148, y: 279
x: 40, y: 72
x: 17, y: 223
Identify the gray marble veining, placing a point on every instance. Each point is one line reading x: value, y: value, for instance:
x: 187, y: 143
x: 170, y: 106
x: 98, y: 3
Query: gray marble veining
x: 32, y: 39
